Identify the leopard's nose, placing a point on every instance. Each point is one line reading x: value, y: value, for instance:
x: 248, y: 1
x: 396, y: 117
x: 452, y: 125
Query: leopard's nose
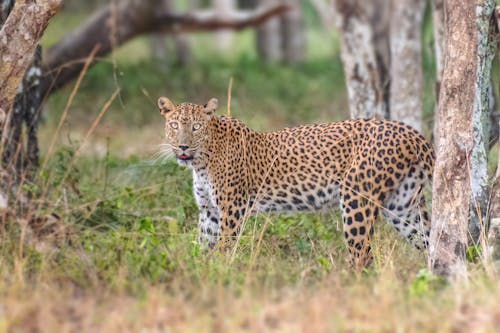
x: 184, y: 147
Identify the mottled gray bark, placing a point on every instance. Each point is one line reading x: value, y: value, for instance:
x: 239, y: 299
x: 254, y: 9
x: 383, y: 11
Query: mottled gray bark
x: 486, y: 48
x: 380, y: 15
x: 20, y: 150
x: 451, y: 181
x: 18, y: 37
x: 364, y: 87
x: 406, y: 62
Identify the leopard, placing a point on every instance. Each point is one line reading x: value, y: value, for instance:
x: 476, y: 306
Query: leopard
x: 362, y: 166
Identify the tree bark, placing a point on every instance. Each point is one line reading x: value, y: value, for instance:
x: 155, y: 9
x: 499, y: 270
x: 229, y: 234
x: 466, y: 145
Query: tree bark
x: 157, y: 40
x: 159, y: 44
x: 224, y: 38
x: 268, y: 38
x: 380, y: 15
x: 438, y: 27
x: 406, y: 62
x: 493, y: 237
x: 486, y: 48
x: 20, y: 98
x: 293, y: 34
x: 451, y: 181
x: 366, y: 94
x: 115, y: 24
x: 18, y: 39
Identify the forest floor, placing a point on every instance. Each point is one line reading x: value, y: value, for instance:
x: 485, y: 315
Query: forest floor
x: 122, y: 257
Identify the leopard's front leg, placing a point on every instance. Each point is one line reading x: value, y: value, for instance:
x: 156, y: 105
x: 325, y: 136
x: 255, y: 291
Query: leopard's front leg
x: 231, y: 215
x: 208, y: 226
x: 208, y: 219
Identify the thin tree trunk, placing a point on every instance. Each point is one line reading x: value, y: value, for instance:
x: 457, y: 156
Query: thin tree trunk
x: 157, y: 41
x: 325, y: 12
x: 159, y: 44
x: 451, y: 181
x: 293, y: 34
x: 438, y: 27
x: 486, y: 48
x: 380, y: 15
x: 366, y: 95
x: 224, y: 38
x: 406, y: 62
x: 494, y: 117
x: 268, y: 38
x: 493, y: 250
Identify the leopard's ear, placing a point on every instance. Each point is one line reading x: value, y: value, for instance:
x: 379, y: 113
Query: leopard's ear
x: 165, y: 105
x: 211, y: 106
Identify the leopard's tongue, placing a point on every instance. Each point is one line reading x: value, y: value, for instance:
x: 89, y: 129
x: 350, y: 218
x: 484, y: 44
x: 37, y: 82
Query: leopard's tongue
x: 183, y: 156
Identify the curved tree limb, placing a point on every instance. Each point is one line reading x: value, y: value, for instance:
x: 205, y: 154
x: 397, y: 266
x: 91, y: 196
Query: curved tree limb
x: 117, y: 23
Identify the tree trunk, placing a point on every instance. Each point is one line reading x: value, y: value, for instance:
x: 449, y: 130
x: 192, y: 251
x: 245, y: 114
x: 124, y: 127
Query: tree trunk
x: 20, y: 96
x: 268, y: 38
x: 325, y: 13
x: 18, y: 38
x: 406, y: 62
x: 438, y: 26
x: 364, y: 87
x: 157, y: 41
x: 451, y: 181
x: 380, y: 15
x: 293, y: 34
x: 159, y: 45
x: 493, y: 250
x: 486, y: 48
x: 224, y: 38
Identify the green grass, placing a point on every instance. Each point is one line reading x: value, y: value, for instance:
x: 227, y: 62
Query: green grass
x: 123, y: 255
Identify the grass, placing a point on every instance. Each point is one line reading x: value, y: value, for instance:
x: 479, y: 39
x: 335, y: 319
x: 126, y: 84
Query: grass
x: 123, y: 257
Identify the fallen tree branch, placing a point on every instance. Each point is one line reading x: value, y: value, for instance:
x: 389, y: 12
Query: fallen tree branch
x: 117, y: 23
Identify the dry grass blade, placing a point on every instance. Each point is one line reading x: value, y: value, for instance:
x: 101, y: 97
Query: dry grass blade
x: 88, y: 62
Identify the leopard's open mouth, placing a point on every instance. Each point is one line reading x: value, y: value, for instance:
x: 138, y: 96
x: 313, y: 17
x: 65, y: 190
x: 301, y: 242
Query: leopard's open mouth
x: 184, y: 157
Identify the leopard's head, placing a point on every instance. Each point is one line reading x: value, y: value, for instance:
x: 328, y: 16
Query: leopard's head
x: 186, y: 127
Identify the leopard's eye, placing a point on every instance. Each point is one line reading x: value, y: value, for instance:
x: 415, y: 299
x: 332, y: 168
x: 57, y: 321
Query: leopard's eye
x: 196, y: 126
x: 174, y: 124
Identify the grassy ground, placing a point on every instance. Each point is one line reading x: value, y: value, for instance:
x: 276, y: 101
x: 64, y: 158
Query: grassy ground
x: 122, y: 257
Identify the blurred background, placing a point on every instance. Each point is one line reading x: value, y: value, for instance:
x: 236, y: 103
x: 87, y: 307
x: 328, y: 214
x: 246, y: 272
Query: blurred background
x: 286, y: 71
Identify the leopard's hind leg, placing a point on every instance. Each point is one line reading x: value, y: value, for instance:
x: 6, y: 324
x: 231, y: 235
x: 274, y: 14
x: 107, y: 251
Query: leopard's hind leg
x: 405, y: 209
x: 359, y: 213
